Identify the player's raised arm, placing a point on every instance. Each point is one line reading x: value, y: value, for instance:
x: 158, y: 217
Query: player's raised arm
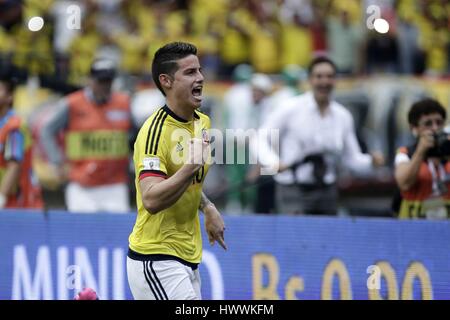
x: 159, y: 193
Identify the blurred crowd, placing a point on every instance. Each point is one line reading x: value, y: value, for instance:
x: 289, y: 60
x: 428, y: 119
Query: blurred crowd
x: 261, y: 48
x: 267, y: 34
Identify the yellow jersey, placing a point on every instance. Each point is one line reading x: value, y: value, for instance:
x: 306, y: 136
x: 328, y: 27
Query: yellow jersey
x: 161, y: 149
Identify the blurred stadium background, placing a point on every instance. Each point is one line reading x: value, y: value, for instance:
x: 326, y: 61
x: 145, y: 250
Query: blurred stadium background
x: 380, y: 75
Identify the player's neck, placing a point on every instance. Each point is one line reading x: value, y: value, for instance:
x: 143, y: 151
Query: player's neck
x: 323, y: 106
x: 182, y: 112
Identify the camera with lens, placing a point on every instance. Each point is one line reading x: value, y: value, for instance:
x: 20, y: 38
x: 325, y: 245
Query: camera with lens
x: 441, y: 145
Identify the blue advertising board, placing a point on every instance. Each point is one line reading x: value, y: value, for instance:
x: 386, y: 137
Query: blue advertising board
x: 51, y: 256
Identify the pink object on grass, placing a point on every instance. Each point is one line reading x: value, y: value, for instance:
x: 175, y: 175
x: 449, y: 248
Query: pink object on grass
x: 86, y: 294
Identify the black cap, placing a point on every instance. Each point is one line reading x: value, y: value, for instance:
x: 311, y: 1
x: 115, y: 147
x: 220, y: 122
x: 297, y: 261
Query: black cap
x: 103, y: 69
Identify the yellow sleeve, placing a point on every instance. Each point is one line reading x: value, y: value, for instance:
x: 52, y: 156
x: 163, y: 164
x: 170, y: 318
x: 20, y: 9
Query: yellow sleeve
x: 150, y: 150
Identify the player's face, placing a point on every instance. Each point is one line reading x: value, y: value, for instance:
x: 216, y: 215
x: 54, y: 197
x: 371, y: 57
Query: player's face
x: 101, y: 89
x: 433, y: 122
x: 188, y: 82
x: 258, y: 95
x: 322, y: 81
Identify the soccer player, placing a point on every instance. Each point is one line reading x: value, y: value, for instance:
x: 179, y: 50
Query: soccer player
x: 171, y: 155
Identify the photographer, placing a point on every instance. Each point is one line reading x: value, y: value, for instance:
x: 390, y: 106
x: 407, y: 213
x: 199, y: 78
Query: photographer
x: 422, y: 171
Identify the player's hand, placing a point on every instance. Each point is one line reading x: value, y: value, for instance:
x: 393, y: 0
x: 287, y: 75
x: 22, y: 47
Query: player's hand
x: 199, y: 152
x: 274, y: 169
x: 426, y: 142
x: 283, y: 167
x: 59, y: 173
x: 214, y: 225
x: 377, y: 159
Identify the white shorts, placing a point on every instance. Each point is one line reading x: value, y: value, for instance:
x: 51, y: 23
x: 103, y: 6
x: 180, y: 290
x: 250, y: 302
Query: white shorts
x: 163, y: 280
x: 112, y: 198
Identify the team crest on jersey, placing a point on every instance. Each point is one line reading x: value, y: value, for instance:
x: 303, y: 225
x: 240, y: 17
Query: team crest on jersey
x: 179, y: 147
x: 205, y: 135
x: 151, y: 163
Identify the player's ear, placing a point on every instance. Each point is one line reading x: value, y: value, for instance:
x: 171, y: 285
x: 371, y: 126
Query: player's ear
x: 165, y: 80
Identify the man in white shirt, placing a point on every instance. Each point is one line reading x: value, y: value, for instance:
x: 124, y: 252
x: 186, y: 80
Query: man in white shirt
x: 316, y: 136
x: 248, y: 112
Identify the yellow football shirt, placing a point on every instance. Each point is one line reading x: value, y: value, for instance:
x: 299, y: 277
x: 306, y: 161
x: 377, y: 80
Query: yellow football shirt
x: 160, y: 149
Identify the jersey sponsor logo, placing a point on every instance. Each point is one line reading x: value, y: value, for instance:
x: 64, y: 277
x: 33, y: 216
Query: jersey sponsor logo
x: 151, y: 164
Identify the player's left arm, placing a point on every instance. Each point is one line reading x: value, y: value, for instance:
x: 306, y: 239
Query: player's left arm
x: 214, y: 225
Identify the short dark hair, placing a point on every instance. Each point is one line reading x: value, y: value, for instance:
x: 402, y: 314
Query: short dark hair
x: 9, y: 81
x: 321, y: 59
x: 165, y: 59
x: 425, y: 107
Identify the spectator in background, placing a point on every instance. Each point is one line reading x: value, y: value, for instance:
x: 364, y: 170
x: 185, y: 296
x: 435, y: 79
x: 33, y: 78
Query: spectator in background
x: 96, y: 123
x: 62, y: 35
x: 82, y: 49
x: 18, y: 186
x: 237, y: 103
x: 234, y: 46
x: 318, y: 27
x: 422, y: 170
x: 292, y: 77
x: 434, y: 38
x: 382, y: 50
x: 296, y: 43
x: 133, y: 46
x: 264, y: 189
x: 382, y: 53
x: 262, y: 87
x: 146, y: 99
x: 344, y: 41
x: 302, y: 9
x: 238, y: 98
x: 408, y: 36
x: 33, y: 50
x: 246, y: 111
x: 6, y: 47
x: 316, y: 136
x: 263, y: 40
x: 11, y: 12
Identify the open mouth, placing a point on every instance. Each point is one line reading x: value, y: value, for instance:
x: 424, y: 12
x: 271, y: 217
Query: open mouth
x: 197, y: 92
x: 325, y: 89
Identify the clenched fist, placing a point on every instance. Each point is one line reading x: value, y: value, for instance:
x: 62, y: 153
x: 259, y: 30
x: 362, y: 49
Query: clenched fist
x: 199, y: 152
